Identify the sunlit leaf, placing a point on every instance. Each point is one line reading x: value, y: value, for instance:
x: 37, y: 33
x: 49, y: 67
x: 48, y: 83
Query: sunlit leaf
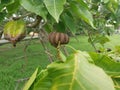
x: 36, y: 7
x: 31, y: 80
x: 69, y: 22
x: 74, y: 74
x: 110, y: 65
x: 101, y: 39
x: 55, y: 7
x: 81, y: 12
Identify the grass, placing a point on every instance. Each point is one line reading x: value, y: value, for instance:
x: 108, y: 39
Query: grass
x: 16, y: 64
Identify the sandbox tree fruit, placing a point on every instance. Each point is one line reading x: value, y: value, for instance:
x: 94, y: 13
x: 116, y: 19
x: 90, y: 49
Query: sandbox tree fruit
x: 14, y: 31
x: 56, y: 38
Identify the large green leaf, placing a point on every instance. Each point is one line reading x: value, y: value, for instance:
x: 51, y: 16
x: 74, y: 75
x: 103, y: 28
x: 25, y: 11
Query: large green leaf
x: 74, y: 74
x: 101, y: 39
x: 82, y: 12
x: 35, y: 6
x: 55, y: 7
x: 59, y: 27
x: 110, y: 66
x: 69, y: 22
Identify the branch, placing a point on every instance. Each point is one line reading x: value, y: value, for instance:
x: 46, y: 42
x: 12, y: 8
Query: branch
x: 30, y: 25
x: 28, y: 43
x: 21, y: 80
x: 35, y: 23
x: 19, y: 17
x: 92, y: 43
x: 1, y: 34
x: 47, y: 51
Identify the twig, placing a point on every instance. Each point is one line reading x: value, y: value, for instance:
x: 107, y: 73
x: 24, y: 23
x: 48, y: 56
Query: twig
x: 47, y: 51
x: 19, y: 17
x: 1, y: 34
x: 35, y: 23
x: 90, y: 38
x: 65, y: 51
x: 19, y: 81
x: 25, y: 54
x: 30, y: 25
x: 28, y: 43
x: 28, y: 55
x: 22, y: 80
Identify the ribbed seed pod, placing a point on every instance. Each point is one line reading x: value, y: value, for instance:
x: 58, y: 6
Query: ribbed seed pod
x: 56, y: 38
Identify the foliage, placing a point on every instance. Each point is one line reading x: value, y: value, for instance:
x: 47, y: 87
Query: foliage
x: 54, y: 8
x: 94, y: 17
x: 31, y: 80
x: 98, y: 14
x: 77, y: 72
x: 107, y: 62
x: 110, y: 63
x: 36, y: 7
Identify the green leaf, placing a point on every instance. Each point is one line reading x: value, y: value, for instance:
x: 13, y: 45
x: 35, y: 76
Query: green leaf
x: 74, y: 74
x: 36, y: 7
x: 80, y: 11
x: 105, y: 1
x: 59, y: 27
x: 101, y: 39
x: 13, y: 7
x: 31, y: 80
x: 48, y: 27
x: 81, y: 2
x: 7, y: 2
x: 55, y: 8
x: 4, y: 3
x: 110, y: 65
x: 112, y: 5
x: 69, y: 22
x: 2, y: 15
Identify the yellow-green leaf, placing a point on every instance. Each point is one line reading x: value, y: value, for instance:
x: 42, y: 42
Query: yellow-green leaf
x: 31, y: 80
x: 55, y: 8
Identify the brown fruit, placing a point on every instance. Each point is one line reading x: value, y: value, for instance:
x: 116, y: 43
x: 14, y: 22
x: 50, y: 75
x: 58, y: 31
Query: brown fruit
x: 56, y: 38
